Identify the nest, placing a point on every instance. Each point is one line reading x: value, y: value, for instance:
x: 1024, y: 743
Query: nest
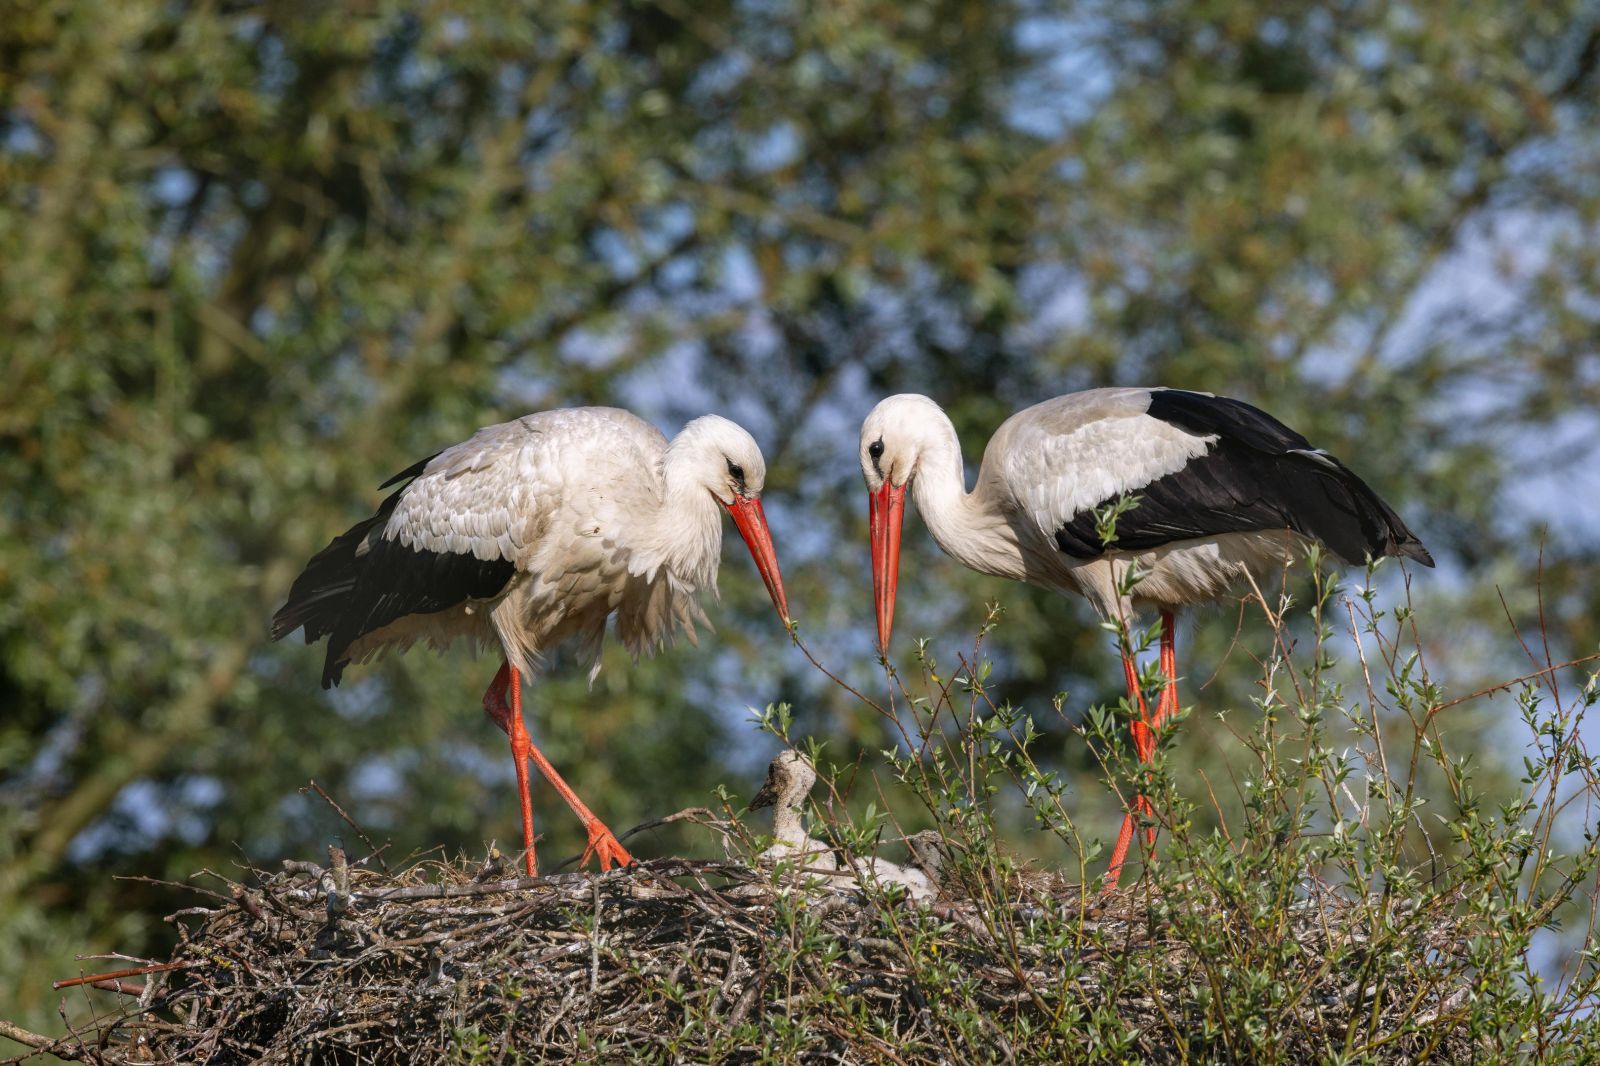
x: 710, y: 961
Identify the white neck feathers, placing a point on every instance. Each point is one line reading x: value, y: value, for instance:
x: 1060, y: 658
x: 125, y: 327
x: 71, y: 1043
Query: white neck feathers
x: 968, y: 527
x: 686, y: 531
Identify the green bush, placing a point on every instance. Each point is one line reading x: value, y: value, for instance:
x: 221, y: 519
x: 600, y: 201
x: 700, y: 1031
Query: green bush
x: 1325, y: 912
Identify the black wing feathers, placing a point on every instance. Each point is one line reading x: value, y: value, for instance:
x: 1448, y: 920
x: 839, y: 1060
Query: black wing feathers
x: 394, y: 581
x: 362, y: 582
x: 1258, y: 474
x: 317, y: 596
x: 1232, y: 419
x: 409, y: 472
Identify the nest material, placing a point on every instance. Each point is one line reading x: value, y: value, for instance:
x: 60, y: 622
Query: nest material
x: 696, y: 961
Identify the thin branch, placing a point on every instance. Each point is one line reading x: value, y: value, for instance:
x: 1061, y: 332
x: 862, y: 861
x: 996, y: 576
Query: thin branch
x: 372, y: 849
x: 60, y: 1047
x: 1513, y: 683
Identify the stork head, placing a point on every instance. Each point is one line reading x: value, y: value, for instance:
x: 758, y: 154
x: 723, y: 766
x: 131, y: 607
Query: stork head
x: 790, y: 778
x: 893, y: 440
x: 725, y: 460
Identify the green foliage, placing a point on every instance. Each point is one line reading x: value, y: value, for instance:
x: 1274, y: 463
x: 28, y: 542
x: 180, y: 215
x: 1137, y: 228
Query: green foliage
x: 258, y: 258
x: 1360, y: 896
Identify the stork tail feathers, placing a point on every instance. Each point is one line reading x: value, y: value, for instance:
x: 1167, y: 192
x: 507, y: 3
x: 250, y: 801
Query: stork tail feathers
x: 318, y: 595
x: 362, y: 582
x: 1382, y: 530
x: 1259, y: 474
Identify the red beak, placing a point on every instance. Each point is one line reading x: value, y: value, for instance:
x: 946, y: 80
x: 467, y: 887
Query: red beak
x: 887, y: 508
x: 751, y: 521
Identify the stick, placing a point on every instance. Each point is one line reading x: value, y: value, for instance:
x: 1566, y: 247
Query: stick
x: 125, y: 988
x: 712, y: 821
x: 375, y: 851
x: 1513, y: 682
x: 92, y: 978
x: 50, y: 1045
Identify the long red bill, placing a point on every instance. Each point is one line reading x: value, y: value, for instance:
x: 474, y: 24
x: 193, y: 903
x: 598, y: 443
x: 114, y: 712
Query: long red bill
x: 887, y: 508
x: 751, y: 521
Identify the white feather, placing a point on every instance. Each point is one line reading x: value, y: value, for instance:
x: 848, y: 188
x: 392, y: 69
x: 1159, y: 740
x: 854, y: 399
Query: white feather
x: 600, y: 515
x: 1066, y: 455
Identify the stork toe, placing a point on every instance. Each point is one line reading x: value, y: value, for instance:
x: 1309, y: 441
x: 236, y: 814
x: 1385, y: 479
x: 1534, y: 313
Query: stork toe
x: 604, y: 845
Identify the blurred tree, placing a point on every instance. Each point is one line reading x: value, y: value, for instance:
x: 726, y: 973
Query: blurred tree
x: 261, y: 256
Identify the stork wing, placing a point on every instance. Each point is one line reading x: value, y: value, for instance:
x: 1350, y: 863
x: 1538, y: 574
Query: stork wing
x: 416, y: 554
x: 474, y: 499
x: 1061, y: 459
x: 1200, y: 466
x: 550, y: 493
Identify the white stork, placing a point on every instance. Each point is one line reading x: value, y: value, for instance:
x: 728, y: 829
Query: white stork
x: 1222, y: 489
x: 534, y: 532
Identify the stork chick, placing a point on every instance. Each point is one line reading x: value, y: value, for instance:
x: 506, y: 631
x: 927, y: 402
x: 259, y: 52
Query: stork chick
x: 790, y: 778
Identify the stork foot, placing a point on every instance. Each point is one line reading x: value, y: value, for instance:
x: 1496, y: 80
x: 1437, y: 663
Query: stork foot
x: 604, y: 846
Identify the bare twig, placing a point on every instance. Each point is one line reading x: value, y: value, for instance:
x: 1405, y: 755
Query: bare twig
x: 96, y: 978
x: 373, y: 851
x: 48, y: 1045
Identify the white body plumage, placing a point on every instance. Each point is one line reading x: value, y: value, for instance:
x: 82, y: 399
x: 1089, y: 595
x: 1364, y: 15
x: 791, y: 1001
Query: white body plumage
x: 1214, y: 505
x: 533, y: 533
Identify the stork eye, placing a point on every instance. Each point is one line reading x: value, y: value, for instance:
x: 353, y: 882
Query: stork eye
x: 736, y: 470
x: 875, y: 449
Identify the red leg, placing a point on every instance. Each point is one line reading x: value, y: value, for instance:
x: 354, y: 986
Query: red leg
x: 1168, y: 703
x: 1143, y: 744
x: 1144, y: 741
x: 1119, y: 853
x: 1169, y: 670
x: 509, y: 718
x: 602, y: 842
